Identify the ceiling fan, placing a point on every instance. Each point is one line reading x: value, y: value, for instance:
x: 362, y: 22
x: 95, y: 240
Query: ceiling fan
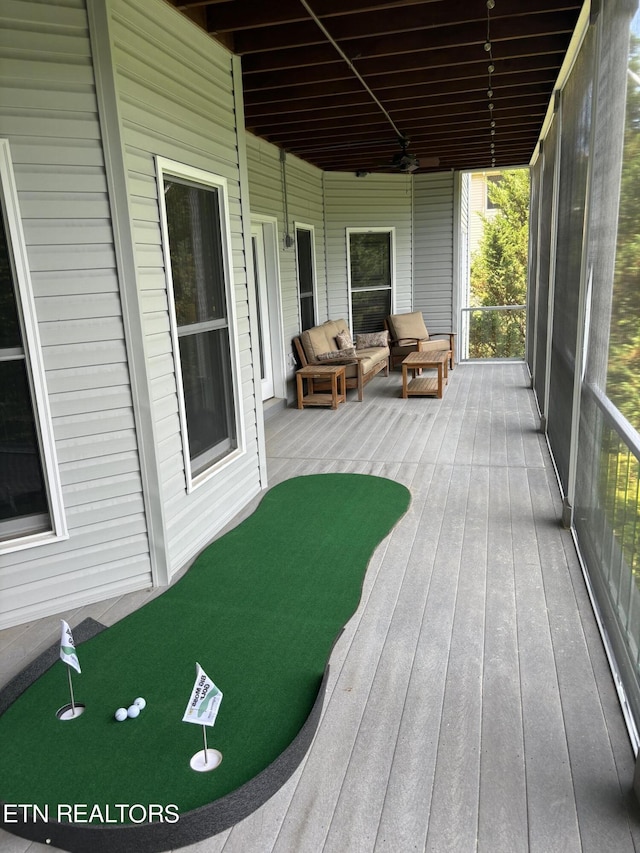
x: 404, y: 161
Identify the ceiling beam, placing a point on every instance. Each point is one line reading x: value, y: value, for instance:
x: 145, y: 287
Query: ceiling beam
x: 423, y: 60
x: 401, y: 21
x: 424, y: 78
x: 540, y: 82
x: 420, y: 142
x: 247, y: 14
x: 463, y: 38
x: 359, y: 116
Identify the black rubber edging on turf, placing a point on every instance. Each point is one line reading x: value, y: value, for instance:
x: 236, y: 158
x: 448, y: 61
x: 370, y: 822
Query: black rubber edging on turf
x: 192, y: 826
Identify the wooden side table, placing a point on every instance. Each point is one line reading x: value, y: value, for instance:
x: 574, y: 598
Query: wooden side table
x: 425, y: 385
x: 336, y: 373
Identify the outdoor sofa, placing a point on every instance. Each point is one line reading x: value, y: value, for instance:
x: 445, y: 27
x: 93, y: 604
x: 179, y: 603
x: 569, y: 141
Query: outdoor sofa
x: 332, y: 343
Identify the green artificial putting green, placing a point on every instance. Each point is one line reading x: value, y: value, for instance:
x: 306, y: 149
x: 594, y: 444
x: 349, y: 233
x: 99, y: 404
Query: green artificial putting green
x: 259, y: 610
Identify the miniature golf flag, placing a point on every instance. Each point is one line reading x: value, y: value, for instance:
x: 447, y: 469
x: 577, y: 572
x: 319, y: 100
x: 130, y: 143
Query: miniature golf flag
x: 204, y: 702
x: 68, y: 647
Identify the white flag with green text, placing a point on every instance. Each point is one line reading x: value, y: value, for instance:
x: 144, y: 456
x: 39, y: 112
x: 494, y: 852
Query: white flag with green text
x: 204, y: 701
x: 68, y: 647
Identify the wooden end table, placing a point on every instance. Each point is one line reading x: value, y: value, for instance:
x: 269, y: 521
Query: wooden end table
x: 425, y: 385
x: 335, y: 373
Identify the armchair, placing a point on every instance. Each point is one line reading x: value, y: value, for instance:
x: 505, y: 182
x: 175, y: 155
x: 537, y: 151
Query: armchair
x: 408, y: 333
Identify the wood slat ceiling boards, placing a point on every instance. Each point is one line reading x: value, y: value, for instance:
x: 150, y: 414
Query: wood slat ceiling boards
x: 336, y: 82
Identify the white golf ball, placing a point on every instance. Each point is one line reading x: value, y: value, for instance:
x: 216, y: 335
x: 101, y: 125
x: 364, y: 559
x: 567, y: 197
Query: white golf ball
x: 133, y: 711
x: 121, y: 714
x: 140, y: 702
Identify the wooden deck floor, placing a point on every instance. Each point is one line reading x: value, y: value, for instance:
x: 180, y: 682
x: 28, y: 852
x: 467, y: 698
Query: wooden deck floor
x: 470, y: 706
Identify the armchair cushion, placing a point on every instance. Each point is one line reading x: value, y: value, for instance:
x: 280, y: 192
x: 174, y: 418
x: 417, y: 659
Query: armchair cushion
x: 408, y: 328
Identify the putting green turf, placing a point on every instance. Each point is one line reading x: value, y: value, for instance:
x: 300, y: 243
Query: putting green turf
x: 259, y: 609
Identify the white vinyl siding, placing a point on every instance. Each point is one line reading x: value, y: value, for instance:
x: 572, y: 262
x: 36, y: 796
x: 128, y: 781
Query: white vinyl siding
x: 304, y: 204
x: 175, y: 90
x: 434, y: 249
x: 479, y: 205
x: 375, y: 201
x: 49, y: 114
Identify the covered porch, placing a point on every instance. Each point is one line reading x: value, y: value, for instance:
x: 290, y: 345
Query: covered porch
x: 470, y: 705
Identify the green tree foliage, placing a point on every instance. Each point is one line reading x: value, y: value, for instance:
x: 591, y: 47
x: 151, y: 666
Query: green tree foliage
x: 499, y: 270
x: 623, y: 375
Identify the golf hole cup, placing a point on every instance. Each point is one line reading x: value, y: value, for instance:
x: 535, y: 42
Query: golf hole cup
x: 70, y: 712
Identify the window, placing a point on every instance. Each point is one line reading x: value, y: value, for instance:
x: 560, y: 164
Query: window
x: 197, y: 251
x: 30, y: 501
x: 370, y: 278
x: 492, y: 180
x: 306, y: 276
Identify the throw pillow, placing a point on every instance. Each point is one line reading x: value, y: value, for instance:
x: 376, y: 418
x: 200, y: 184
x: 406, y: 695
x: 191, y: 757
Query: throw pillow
x: 339, y: 356
x: 344, y: 339
x: 372, y: 339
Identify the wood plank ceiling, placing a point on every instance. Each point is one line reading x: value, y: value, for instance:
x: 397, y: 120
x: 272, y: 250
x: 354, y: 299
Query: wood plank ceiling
x: 336, y: 81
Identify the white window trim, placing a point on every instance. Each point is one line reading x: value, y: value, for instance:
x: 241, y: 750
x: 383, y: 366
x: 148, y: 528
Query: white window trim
x: 376, y: 230
x: 176, y: 169
x: 33, y: 354
x: 303, y: 226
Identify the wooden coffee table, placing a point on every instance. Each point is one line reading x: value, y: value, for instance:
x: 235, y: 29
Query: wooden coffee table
x: 424, y: 386
x: 335, y: 373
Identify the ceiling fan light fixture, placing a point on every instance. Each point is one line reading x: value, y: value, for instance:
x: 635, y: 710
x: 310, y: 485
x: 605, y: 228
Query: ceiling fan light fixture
x: 404, y: 160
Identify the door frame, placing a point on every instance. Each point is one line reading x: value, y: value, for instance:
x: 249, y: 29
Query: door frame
x: 269, y: 225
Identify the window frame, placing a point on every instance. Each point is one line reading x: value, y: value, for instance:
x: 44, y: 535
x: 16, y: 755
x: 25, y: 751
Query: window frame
x: 381, y: 229
x: 25, y: 303
x: 302, y: 226
x: 171, y: 168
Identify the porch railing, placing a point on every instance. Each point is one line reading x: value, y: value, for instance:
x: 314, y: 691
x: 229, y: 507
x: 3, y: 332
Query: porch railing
x: 493, y: 332
x: 607, y: 525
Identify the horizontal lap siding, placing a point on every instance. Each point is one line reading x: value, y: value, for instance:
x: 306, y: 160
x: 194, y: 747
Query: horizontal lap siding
x: 49, y: 114
x: 434, y: 241
x: 176, y: 99
x: 374, y: 201
x: 305, y: 205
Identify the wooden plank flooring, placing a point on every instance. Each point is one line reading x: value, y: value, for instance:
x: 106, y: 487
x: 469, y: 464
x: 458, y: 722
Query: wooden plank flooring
x: 470, y: 706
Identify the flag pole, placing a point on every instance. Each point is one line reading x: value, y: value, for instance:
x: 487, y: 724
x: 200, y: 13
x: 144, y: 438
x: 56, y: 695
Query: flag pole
x: 206, y: 753
x: 73, y: 704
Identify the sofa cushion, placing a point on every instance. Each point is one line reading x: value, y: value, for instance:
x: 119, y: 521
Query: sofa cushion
x: 335, y: 328
x: 322, y: 338
x: 315, y: 341
x: 371, y: 356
